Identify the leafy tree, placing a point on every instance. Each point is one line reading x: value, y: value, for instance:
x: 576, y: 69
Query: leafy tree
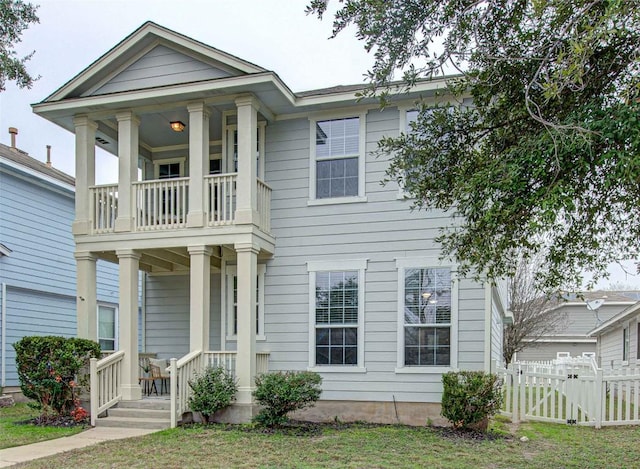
x: 534, y: 315
x: 547, y: 159
x: 15, y: 17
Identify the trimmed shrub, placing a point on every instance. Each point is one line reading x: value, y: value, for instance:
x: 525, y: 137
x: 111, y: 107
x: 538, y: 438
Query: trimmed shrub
x: 469, y: 398
x: 284, y: 392
x: 213, y: 390
x: 48, y: 367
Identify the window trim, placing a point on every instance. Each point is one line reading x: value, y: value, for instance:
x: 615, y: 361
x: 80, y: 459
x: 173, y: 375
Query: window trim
x: 426, y: 263
x: 116, y: 325
x: 232, y: 271
x: 313, y: 120
x: 626, y: 343
x: 228, y: 131
x: 313, y: 267
x: 638, y: 340
x: 158, y: 163
x: 402, y: 128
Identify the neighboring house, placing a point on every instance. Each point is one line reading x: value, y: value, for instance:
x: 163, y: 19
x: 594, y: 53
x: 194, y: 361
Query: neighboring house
x: 618, y: 339
x: 264, y: 231
x: 37, y: 267
x: 571, y: 336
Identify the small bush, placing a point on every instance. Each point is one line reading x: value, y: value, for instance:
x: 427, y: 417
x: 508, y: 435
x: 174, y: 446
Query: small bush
x: 284, y: 392
x: 48, y: 367
x: 213, y: 390
x: 469, y: 398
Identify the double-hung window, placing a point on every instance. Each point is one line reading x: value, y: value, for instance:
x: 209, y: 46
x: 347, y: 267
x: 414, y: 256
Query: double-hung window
x: 232, y: 302
x: 427, y: 301
x: 626, y: 344
x: 336, y: 315
x: 337, y: 160
x: 107, y: 328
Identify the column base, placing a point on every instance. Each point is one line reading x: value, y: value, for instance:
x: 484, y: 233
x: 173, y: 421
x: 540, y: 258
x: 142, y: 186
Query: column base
x: 195, y: 219
x: 80, y: 227
x: 131, y: 392
x: 245, y: 395
x: 247, y: 217
x: 123, y: 225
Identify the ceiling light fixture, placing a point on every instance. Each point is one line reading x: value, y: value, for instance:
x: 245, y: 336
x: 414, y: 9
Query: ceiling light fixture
x: 177, y: 126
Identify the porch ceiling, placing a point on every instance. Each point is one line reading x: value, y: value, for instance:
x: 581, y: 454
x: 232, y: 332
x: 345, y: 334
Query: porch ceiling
x: 169, y: 260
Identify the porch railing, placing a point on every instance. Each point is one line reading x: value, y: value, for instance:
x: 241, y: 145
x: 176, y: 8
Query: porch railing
x: 161, y: 204
x: 104, y: 207
x: 106, y: 380
x: 220, y: 192
x: 184, y: 369
x: 264, y: 206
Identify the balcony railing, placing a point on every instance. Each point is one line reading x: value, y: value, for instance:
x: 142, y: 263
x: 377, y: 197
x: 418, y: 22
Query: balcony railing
x: 104, y: 207
x: 221, y: 199
x: 163, y: 204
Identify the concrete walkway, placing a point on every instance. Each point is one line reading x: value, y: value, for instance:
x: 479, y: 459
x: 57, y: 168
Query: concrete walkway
x: 11, y: 456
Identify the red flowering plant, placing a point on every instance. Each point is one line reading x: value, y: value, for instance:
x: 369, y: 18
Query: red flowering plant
x: 48, y: 368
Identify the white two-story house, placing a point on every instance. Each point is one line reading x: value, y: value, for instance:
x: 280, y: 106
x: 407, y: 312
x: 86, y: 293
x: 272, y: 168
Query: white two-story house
x: 267, y: 239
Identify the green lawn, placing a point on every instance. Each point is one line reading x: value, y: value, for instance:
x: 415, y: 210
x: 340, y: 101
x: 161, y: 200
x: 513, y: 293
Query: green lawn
x: 361, y: 446
x: 12, y: 433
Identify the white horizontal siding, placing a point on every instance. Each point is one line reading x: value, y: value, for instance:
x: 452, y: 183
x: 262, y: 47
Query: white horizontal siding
x: 380, y: 230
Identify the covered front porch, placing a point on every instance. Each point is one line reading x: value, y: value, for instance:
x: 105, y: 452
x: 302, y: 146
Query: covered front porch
x: 199, y: 309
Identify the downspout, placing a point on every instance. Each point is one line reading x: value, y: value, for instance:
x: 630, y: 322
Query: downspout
x: 143, y: 313
x: 3, y: 338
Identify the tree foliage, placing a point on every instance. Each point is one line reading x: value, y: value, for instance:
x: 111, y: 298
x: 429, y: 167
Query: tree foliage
x: 15, y: 17
x: 547, y: 159
x: 534, y: 315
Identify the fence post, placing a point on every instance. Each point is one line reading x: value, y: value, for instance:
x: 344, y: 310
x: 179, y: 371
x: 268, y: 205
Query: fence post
x: 514, y: 378
x: 601, y: 397
x: 173, y: 386
x: 93, y: 389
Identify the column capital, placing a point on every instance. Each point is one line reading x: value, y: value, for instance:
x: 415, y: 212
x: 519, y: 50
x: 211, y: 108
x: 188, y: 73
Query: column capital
x: 123, y: 116
x: 247, y: 247
x: 84, y: 256
x: 128, y: 254
x: 82, y: 120
x: 248, y: 100
x: 201, y: 249
x: 198, y: 106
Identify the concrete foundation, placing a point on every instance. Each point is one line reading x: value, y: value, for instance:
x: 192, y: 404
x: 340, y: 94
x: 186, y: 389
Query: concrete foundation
x: 407, y: 413
x: 235, y: 413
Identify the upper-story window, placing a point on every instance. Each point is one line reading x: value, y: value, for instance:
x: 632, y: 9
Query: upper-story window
x: 337, y: 160
x: 169, y: 168
x: 231, y: 143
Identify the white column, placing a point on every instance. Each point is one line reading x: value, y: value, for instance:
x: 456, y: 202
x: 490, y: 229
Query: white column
x: 198, y: 162
x: 127, y: 168
x: 199, y: 302
x: 247, y: 255
x: 247, y: 198
x: 86, y: 296
x: 85, y: 171
x: 129, y: 263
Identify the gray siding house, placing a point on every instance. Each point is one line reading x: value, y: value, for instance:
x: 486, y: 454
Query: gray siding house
x: 571, y: 337
x: 618, y: 340
x: 266, y: 238
x: 37, y: 267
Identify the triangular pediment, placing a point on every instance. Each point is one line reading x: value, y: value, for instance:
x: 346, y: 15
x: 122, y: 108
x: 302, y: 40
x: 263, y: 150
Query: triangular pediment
x: 162, y: 66
x: 153, y: 56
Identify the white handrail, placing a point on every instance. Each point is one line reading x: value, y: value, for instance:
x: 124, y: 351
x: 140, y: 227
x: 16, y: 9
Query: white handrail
x: 264, y: 206
x: 104, y: 207
x: 220, y: 194
x: 181, y: 371
x: 161, y: 203
x: 105, y: 382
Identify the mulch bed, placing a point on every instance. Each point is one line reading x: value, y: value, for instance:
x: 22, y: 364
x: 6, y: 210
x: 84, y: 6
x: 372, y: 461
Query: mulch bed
x: 61, y: 421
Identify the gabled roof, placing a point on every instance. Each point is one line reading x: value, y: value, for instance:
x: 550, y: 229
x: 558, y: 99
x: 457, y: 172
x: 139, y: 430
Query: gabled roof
x: 622, y: 316
x: 22, y: 159
x: 143, y: 40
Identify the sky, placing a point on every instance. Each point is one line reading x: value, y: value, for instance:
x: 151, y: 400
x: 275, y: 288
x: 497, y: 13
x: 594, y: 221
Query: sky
x: 275, y: 34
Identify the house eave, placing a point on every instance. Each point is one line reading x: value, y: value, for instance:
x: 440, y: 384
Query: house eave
x: 616, y: 320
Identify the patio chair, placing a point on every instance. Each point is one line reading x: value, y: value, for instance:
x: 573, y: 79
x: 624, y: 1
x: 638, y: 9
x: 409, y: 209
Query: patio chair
x: 156, y: 373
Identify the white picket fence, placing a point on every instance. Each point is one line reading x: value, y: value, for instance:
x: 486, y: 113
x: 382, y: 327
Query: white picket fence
x: 572, y: 391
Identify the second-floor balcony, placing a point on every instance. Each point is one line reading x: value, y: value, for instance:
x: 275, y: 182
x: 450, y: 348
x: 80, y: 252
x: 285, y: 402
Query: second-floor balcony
x: 163, y: 204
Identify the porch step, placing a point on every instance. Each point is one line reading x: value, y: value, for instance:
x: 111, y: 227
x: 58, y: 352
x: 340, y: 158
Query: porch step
x: 148, y: 414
